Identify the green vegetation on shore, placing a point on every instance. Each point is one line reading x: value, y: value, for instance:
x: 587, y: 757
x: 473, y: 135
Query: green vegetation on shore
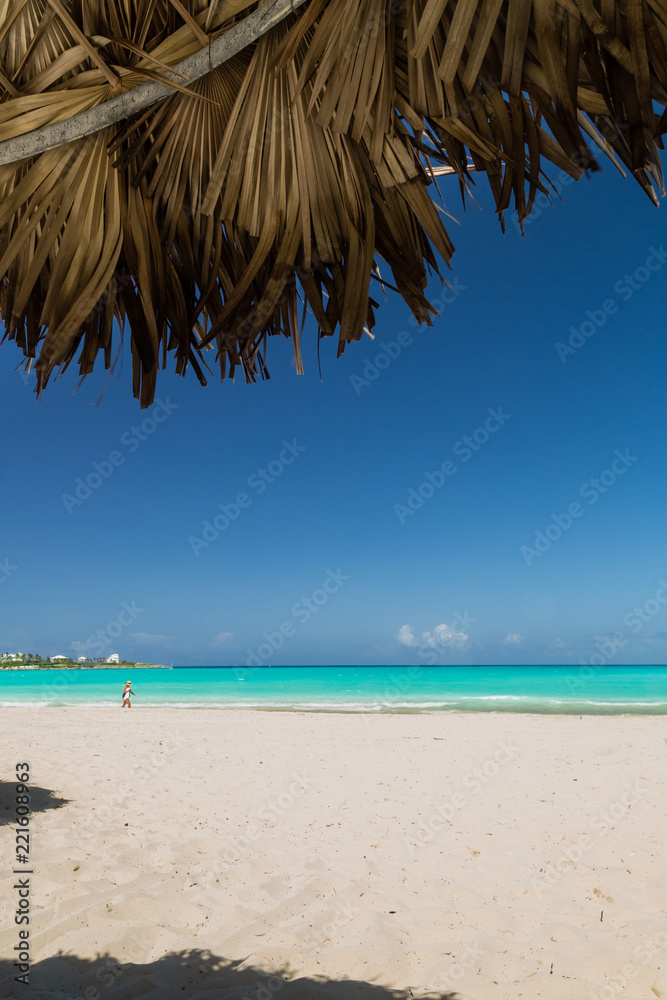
x: 9, y: 661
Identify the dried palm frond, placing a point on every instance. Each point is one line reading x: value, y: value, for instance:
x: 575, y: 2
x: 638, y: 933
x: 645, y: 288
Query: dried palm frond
x: 274, y: 182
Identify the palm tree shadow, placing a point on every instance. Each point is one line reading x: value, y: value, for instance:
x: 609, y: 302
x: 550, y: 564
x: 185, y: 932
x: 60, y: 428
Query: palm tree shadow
x: 189, y: 975
x: 40, y: 800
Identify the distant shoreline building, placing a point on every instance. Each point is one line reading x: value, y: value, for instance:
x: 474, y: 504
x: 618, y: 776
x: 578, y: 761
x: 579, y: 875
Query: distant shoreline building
x: 114, y: 658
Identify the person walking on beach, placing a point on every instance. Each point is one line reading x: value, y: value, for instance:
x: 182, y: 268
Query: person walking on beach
x: 127, y: 691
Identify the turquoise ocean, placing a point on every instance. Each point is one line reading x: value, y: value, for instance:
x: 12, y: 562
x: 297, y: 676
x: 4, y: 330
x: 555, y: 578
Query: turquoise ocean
x: 578, y: 690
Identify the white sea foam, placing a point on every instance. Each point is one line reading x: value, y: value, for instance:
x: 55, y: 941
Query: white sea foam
x: 484, y: 703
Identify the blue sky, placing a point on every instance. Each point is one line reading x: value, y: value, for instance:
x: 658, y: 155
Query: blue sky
x: 324, y: 543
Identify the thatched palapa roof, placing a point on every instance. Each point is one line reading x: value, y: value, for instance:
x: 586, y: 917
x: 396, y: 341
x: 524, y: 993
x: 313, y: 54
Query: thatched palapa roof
x: 209, y: 173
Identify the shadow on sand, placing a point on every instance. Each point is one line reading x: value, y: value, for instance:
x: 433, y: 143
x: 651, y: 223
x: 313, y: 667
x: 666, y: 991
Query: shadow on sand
x: 40, y: 799
x: 186, y: 975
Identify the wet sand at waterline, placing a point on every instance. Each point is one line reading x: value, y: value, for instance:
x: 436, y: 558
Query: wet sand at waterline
x: 184, y: 852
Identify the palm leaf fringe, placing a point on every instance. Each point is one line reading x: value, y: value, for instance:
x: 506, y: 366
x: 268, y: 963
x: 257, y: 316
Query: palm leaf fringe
x: 275, y: 183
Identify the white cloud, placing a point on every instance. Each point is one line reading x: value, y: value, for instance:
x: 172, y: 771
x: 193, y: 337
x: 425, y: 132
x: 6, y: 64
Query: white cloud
x: 442, y: 637
x: 148, y: 637
x: 80, y: 647
x: 513, y: 639
x: 406, y: 635
x: 557, y: 644
x: 221, y: 638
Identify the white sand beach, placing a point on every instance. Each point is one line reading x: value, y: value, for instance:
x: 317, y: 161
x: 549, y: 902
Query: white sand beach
x: 218, y: 853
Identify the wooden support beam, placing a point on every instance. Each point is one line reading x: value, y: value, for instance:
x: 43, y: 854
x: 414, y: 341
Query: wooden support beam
x: 144, y: 95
